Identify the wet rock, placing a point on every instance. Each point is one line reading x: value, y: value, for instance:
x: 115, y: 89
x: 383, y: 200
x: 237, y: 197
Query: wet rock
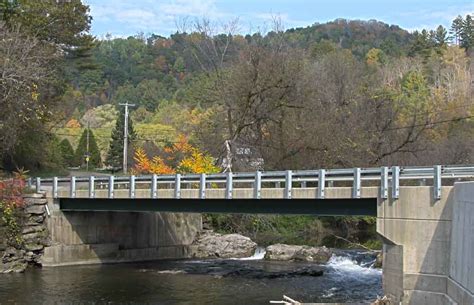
x: 13, y: 267
x: 379, y: 260
x: 320, y: 255
x: 282, y: 252
x: 210, y: 244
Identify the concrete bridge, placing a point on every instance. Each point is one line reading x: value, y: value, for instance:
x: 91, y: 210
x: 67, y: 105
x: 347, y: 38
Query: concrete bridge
x: 425, y: 217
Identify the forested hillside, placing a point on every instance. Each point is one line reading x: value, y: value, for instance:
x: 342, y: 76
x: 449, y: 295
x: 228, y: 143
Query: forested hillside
x: 339, y: 94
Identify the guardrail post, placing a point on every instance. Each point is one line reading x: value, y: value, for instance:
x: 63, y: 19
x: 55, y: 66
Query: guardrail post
x: 384, y: 182
x: 321, y: 183
x: 132, y: 187
x: 202, y: 186
x: 91, y: 187
x: 228, y: 186
x: 303, y: 184
x: 357, y: 184
x: 29, y: 182
x: 437, y: 182
x: 38, y: 184
x: 73, y: 187
x: 288, y: 184
x: 111, y: 187
x: 177, y: 186
x: 55, y: 187
x: 257, y: 186
x: 395, y: 182
x: 154, y: 178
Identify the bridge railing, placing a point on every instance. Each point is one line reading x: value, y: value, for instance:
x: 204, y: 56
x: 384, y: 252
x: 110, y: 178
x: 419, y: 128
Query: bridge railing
x: 387, y: 178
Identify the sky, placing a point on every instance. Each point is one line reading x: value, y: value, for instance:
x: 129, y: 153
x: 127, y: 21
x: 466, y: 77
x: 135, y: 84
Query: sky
x: 121, y: 18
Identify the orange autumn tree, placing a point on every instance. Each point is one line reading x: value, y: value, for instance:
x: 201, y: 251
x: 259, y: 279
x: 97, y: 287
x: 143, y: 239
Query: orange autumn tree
x: 179, y: 157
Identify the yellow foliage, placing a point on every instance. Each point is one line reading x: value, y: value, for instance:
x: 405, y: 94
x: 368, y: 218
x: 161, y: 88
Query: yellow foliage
x: 73, y: 123
x: 180, y: 157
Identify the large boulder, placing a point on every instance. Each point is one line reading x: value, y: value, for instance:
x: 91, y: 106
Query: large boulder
x: 211, y: 245
x: 318, y: 255
x: 282, y: 252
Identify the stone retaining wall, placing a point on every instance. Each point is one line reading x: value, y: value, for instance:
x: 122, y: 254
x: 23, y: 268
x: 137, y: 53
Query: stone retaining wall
x: 34, y: 234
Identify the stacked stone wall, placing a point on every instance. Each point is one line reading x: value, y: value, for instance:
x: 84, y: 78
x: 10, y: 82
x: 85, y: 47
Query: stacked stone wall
x: 33, y: 236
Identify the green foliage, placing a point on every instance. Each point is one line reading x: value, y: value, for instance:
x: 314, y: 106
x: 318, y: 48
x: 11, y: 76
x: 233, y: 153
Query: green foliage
x: 67, y: 152
x: 93, y: 153
x: 9, y: 216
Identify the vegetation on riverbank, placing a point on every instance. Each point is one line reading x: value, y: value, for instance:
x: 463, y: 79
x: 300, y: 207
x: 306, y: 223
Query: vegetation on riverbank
x: 335, y: 232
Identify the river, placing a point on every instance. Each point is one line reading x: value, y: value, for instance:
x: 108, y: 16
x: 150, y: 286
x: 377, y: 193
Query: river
x: 347, y: 277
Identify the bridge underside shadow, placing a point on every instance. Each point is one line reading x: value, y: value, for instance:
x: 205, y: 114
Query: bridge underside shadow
x: 321, y: 207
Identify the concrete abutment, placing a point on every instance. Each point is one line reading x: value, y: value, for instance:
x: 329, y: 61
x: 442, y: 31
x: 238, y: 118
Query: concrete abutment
x: 428, y: 245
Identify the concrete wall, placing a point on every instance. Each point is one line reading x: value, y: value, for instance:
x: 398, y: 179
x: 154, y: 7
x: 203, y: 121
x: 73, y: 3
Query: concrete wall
x: 461, y: 268
x: 107, y: 237
x: 428, y: 252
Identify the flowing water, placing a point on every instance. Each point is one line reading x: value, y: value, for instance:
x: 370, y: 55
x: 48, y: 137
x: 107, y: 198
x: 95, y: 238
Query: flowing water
x: 347, y: 277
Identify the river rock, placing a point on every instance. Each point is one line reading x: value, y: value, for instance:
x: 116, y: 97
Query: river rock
x: 282, y: 252
x: 378, y: 260
x: 210, y: 244
x: 318, y: 255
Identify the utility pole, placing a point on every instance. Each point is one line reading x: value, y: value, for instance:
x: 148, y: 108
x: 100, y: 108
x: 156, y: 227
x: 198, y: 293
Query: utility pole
x: 87, y: 148
x: 125, y: 137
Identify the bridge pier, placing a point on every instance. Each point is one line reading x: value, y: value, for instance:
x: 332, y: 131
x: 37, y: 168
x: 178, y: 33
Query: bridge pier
x: 428, y: 245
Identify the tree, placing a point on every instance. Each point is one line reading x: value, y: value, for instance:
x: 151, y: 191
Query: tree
x: 115, y: 153
x: 456, y: 29
x: 179, y: 157
x: 467, y: 33
x: 441, y: 36
x: 82, y: 153
x: 35, y: 38
x: 67, y: 152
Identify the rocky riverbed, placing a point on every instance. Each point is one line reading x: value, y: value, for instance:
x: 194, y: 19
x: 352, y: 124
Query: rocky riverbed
x: 210, y: 244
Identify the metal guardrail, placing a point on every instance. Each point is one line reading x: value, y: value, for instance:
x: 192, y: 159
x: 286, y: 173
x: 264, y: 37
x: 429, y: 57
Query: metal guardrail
x: 387, y: 178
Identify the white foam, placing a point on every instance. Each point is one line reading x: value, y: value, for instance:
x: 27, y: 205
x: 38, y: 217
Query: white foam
x: 258, y: 255
x: 346, y: 265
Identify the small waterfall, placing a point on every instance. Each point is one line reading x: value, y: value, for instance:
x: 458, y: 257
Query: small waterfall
x: 349, y: 267
x: 258, y: 255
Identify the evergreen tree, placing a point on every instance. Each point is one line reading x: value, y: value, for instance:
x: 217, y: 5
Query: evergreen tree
x: 115, y: 154
x: 440, y: 36
x: 456, y: 29
x: 81, y: 151
x: 67, y: 152
x: 467, y: 33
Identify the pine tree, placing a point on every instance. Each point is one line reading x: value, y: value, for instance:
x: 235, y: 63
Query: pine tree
x: 440, y: 36
x: 93, y: 154
x: 115, y: 154
x: 456, y: 29
x: 67, y: 152
x: 466, y: 36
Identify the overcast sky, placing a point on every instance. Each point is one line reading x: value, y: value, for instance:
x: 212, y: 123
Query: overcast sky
x: 130, y: 17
